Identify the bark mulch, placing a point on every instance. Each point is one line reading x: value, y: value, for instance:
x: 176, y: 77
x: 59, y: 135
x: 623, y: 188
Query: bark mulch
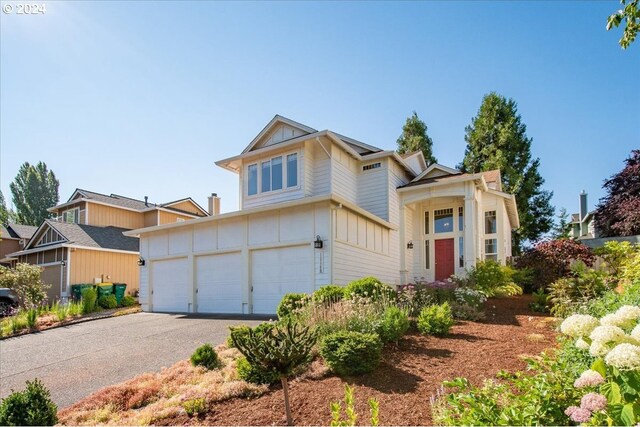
x: 409, y: 374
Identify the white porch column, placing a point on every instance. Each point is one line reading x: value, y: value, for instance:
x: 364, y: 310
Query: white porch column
x: 403, y: 245
x: 470, y: 227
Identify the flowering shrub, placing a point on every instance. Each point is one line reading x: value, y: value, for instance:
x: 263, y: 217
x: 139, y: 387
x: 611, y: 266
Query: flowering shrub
x: 551, y: 260
x: 465, y: 301
x: 328, y: 294
x: 25, y: 281
x: 369, y: 287
x: 582, y: 285
x: 291, y: 304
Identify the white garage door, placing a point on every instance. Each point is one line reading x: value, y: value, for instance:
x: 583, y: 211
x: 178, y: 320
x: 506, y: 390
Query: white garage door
x: 275, y: 272
x: 219, y: 281
x: 171, y: 288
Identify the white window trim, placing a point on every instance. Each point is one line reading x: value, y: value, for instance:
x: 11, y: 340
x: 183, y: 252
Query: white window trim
x: 76, y: 214
x: 284, y: 189
x: 487, y: 254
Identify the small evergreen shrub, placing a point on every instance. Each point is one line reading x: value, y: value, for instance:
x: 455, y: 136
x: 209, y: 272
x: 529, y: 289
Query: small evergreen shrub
x: 394, y: 324
x: 351, y: 353
x: 369, y: 287
x: 195, y: 406
x: 435, y: 319
x: 30, y: 407
x: 108, y: 301
x: 89, y: 297
x: 255, y: 375
x: 207, y: 357
x: 493, y: 279
x: 328, y: 294
x: 242, y: 331
x: 127, y: 301
x: 290, y: 304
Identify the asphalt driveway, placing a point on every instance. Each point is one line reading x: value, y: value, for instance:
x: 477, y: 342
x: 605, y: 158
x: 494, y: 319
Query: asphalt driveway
x: 76, y: 360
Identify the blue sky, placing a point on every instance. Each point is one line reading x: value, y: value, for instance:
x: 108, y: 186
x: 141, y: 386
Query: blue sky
x: 140, y: 98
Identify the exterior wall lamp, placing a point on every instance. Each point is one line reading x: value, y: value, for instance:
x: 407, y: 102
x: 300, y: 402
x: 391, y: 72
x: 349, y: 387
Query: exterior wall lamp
x: 141, y: 262
x: 318, y: 243
x: 410, y: 245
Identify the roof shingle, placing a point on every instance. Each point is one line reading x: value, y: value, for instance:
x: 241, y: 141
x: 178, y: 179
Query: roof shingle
x: 96, y: 237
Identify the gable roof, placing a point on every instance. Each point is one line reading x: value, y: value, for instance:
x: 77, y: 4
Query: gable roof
x: 113, y: 199
x: 19, y: 231
x: 88, y: 236
x: 278, y: 119
x: 169, y: 205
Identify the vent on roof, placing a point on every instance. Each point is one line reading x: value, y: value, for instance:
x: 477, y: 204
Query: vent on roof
x: 371, y: 166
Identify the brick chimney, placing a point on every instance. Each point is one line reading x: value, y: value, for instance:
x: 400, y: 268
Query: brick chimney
x: 214, y: 204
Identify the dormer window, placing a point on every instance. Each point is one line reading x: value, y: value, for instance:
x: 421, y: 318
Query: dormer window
x: 273, y: 174
x: 70, y: 216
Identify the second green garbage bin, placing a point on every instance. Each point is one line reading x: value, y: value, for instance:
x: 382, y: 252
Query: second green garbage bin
x: 119, y: 289
x: 104, y: 289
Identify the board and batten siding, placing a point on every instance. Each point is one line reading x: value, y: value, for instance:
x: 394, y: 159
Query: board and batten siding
x: 361, y: 248
x: 292, y: 227
x: 186, y: 206
x: 115, y: 267
x: 104, y: 216
x: 170, y: 217
x: 344, y: 172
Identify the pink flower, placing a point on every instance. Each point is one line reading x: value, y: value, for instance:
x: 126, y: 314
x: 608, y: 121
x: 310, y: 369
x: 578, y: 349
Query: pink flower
x: 593, y: 402
x: 578, y: 415
x: 589, y: 378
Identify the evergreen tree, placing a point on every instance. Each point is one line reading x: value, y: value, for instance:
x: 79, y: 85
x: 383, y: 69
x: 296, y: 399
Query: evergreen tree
x: 562, y: 228
x: 497, y: 139
x: 618, y: 213
x: 414, y: 137
x: 4, y: 212
x: 34, y: 190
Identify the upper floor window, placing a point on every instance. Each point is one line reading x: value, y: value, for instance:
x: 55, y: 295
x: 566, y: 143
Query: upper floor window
x: 70, y: 216
x: 490, y: 223
x: 443, y: 220
x: 371, y: 166
x: 273, y: 174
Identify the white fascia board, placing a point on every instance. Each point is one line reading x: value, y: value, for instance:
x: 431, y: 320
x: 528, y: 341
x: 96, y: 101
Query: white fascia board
x: 93, y: 201
x: 33, y: 238
x: 90, y: 248
x: 38, y: 249
x: 436, y: 166
x: 448, y: 181
x: 512, y: 207
x: 277, y: 119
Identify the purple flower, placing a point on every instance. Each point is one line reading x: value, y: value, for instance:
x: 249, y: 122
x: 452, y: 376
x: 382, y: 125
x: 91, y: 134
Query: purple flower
x: 593, y: 402
x: 578, y: 415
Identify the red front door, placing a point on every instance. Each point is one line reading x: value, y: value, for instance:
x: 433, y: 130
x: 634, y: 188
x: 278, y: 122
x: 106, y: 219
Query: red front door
x: 444, y: 259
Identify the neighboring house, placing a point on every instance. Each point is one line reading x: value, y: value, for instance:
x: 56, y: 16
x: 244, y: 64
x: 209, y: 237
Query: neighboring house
x: 583, y: 223
x: 317, y: 207
x: 13, y: 238
x: 85, y: 241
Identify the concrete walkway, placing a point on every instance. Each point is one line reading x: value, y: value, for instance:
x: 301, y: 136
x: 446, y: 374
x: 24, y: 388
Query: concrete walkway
x: 76, y: 360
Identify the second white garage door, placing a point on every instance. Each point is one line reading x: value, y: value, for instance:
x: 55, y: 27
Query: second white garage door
x: 171, y: 288
x: 219, y: 282
x: 275, y: 272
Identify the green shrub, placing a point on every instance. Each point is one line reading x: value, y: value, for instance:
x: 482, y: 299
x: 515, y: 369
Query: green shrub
x: 570, y: 293
x: 108, y: 301
x: 539, y: 303
x: 195, y: 406
x: 328, y: 294
x: 255, y: 375
x: 18, y: 322
x: 493, y: 279
x: 394, y: 324
x: 127, y: 301
x: 369, y: 287
x: 206, y: 356
x: 291, y: 304
x: 351, y: 353
x: 242, y: 331
x: 32, y: 318
x: 74, y: 308
x: 435, y: 319
x: 351, y: 416
x: 30, y: 407
x: 25, y: 281
x: 89, y: 296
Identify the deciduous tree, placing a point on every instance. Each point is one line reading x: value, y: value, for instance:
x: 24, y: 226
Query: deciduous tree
x: 414, y: 137
x: 497, y: 139
x: 618, y: 213
x: 631, y: 15
x: 34, y: 190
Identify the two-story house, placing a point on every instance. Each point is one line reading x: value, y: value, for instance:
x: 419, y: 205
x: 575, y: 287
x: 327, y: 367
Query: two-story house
x: 13, y: 238
x: 84, y: 243
x: 317, y: 207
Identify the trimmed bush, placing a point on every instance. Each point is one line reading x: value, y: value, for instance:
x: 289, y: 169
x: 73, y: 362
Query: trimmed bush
x: 255, y: 375
x: 89, y: 297
x: 435, y: 319
x: 30, y: 407
x: 207, y: 357
x: 243, y: 331
x: 290, y: 304
x: 195, y: 406
x: 328, y: 294
x: 127, y: 301
x: 108, y: 301
x: 394, y: 324
x: 369, y: 287
x: 351, y: 353
x: 493, y: 279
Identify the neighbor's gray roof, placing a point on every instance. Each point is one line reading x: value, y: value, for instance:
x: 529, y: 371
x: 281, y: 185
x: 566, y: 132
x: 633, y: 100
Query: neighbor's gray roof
x: 114, y: 199
x: 96, y: 237
x: 21, y: 231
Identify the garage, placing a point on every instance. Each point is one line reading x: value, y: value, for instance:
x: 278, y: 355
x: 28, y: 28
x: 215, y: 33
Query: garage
x: 277, y: 271
x: 219, y: 283
x: 171, y: 290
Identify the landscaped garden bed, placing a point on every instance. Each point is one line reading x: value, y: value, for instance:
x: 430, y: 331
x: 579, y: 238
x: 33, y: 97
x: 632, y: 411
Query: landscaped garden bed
x: 410, y: 373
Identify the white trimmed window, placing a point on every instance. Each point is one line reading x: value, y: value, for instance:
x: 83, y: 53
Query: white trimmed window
x: 490, y: 222
x: 443, y: 220
x: 71, y: 216
x: 491, y: 249
x: 273, y: 174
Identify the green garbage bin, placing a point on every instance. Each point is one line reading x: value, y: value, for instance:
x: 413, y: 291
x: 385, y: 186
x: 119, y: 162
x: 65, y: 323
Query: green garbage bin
x: 119, y: 289
x: 76, y: 290
x: 104, y: 289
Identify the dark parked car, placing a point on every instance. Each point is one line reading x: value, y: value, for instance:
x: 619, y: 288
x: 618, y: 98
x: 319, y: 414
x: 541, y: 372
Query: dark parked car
x: 8, y: 301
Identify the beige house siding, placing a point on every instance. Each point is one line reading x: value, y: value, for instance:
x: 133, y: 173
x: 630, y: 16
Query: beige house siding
x: 86, y: 265
x: 186, y: 206
x: 104, y: 216
x: 150, y: 218
x: 170, y: 218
